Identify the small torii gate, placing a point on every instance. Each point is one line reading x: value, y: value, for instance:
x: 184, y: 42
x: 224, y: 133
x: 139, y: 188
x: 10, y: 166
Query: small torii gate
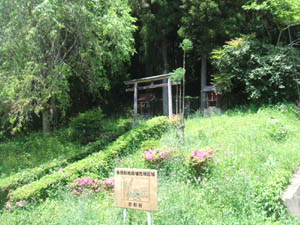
x: 151, y: 79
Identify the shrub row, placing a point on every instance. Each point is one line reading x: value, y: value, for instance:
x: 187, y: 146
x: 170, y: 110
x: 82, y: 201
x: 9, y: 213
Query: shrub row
x: 100, y: 162
x: 88, y: 126
x: 29, y: 175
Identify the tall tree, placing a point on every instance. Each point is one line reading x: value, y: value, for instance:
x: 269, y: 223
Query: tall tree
x: 208, y: 23
x: 158, y: 22
x: 44, y: 43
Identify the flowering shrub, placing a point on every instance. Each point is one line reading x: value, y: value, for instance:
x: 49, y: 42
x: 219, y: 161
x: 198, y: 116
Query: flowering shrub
x: 108, y: 184
x: 199, y: 157
x: 10, y: 205
x: 156, y: 156
x: 81, y: 185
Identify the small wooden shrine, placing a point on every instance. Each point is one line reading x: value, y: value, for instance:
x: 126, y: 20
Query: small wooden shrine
x: 142, y: 102
x: 212, y: 100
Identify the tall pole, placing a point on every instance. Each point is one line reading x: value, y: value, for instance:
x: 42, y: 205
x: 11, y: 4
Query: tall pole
x: 203, y: 79
x: 170, y: 98
x: 135, y: 107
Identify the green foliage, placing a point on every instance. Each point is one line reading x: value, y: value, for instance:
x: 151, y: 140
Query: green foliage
x: 245, y: 180
x: 87, y: 126
x: 276, y: 130
x: 93, y: 125
x: 149, y: 144
x: 186, y: 45
x: 285, y: 11
x: 45, y: 43
x: 177, y: 75
x: 4, y: 126
x: 33, y: 150
x: 209, y: 23
x: 158, y: 23
x: 255, y: 71
x: 100, y: 162
x: 64, y: 158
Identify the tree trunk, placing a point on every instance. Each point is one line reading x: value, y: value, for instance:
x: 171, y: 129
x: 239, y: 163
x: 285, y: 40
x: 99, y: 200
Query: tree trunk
x: 203, y: 79
x: 149, y: 68
x: 53, y: 113
x: 46, y: 121
x: 165, y: 70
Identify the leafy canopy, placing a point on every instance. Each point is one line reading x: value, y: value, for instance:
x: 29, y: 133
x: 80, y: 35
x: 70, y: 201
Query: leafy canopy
x: 208, y: 23
x: 256, y: 71
x: 284, y: 11
x: 45, y: 43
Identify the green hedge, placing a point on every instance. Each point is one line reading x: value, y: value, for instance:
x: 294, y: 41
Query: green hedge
x: 100, y: 162
x: 88, y: 126
x: 29, y: 175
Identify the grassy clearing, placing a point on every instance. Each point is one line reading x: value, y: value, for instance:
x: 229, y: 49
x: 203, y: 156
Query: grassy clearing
x: 37, y: 149
x: 242, y: 185
x: 32, y: 151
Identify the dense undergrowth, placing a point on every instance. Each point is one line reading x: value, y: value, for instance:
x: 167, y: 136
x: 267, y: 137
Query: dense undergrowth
x: 242, y: 184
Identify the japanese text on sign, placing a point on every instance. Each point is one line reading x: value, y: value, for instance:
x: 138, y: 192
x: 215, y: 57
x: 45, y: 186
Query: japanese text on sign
x: 136, y: 189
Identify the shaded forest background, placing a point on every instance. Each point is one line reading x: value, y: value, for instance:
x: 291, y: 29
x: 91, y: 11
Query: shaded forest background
x: 59, y: 58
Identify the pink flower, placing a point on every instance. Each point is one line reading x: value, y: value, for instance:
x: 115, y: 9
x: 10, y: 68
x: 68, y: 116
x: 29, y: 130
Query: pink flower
x: 148, y: 155
x: 89, y: 183
x: 110, y: 181
x: 9, y: 208
x: 198, y: 157
x: 20, y: 203
x: 75, y: 192
x: 199, y: 154
x: 156, y: 156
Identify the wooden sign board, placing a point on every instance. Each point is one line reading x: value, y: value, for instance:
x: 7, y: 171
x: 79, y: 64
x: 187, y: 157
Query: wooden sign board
x: 136, y: 189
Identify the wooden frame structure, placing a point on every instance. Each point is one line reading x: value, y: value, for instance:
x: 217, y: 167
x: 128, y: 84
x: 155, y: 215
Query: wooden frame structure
x: 151, y: 79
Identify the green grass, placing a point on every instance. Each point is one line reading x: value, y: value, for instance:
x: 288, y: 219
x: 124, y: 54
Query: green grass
x: 241, y: 185
x: 36, y: 149
x: 100, y: 162
x: 32, y: 151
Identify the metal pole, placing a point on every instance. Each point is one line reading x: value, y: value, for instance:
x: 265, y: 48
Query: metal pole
x: 170, y: 98
x: 149, y: 218
x: 135, y: 101
x: 124, y: 216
